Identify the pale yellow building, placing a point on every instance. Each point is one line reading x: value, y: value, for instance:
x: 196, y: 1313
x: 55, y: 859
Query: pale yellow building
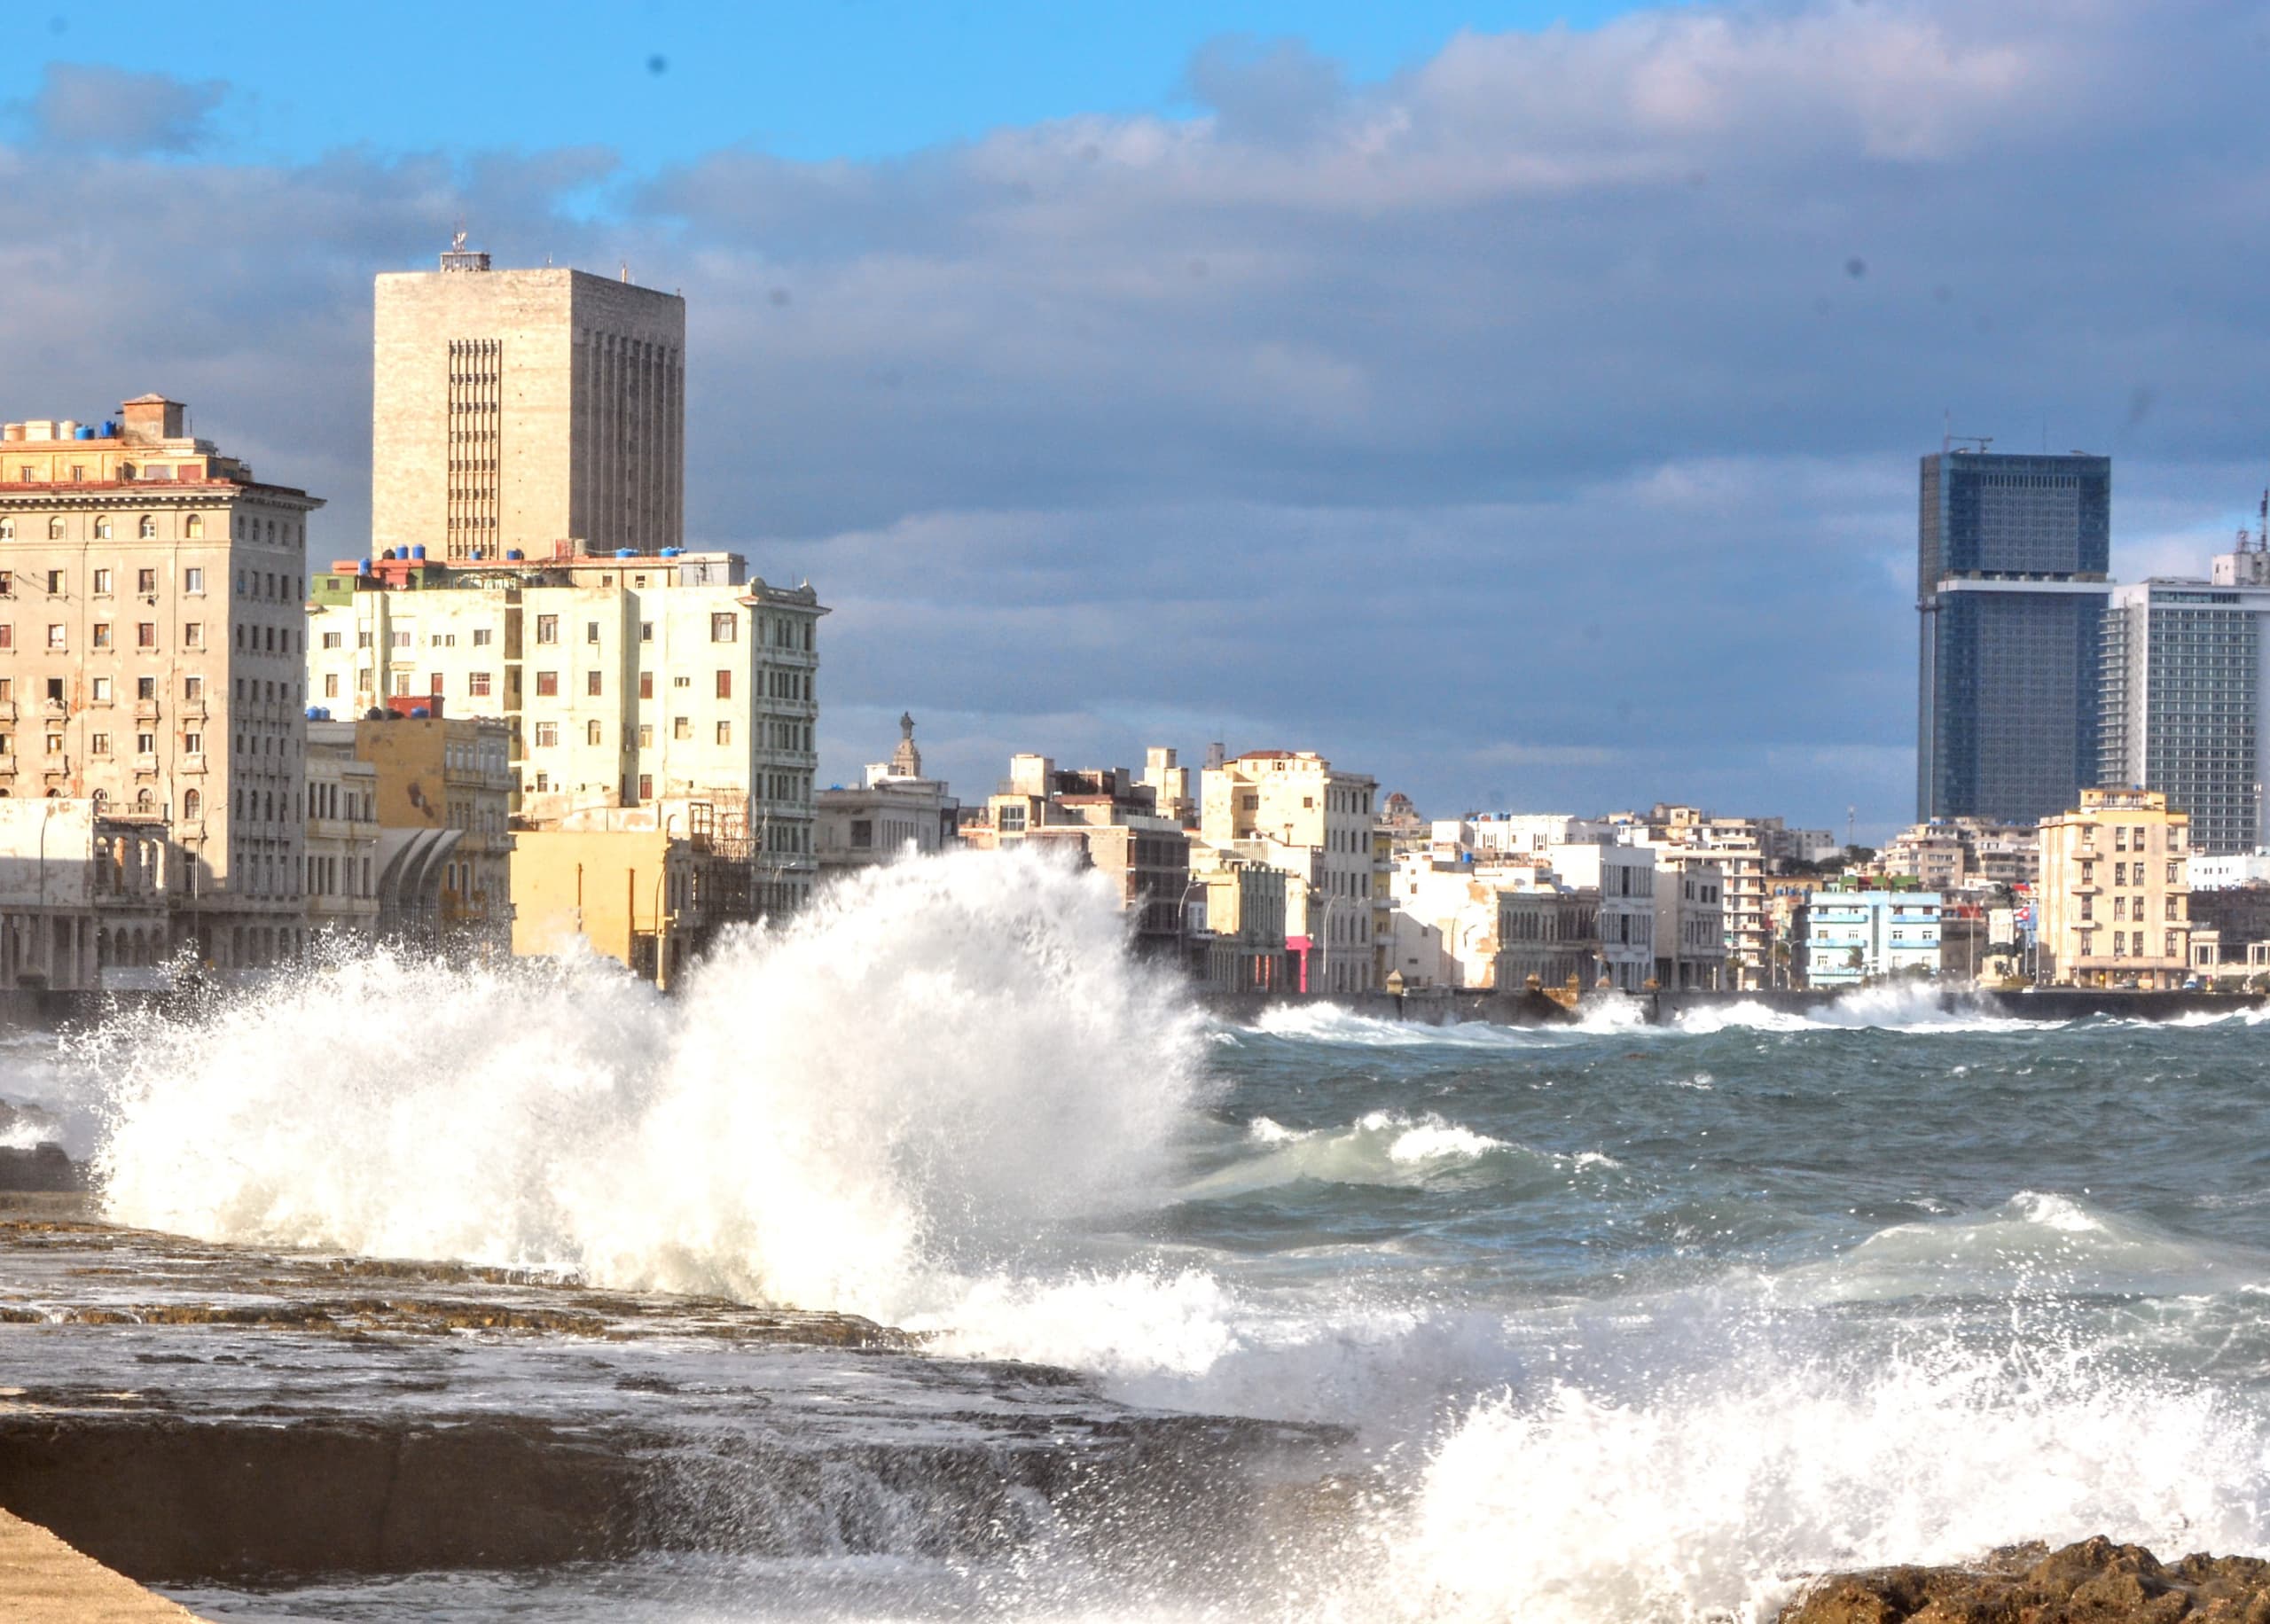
x: 1295, y: 800
x: 649, y: 886
x: 2115, y: 896
x: 622, y: 681
x: 152, y: 658
x: 512, y: 409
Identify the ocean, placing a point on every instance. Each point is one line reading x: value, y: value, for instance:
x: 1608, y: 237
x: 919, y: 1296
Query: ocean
x: 1623, y: 1323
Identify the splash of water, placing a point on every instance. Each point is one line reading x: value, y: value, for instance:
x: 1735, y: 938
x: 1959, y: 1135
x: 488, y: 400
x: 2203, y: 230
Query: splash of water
x: 896, y: 1088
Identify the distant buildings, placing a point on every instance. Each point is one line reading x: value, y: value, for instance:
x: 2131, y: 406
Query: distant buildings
x: 2114, y: 892
x: 86, y: 901
x: 2011, y: 582
x: 895, y: 812
x: 1106, y: 819
x: 1291, y: 809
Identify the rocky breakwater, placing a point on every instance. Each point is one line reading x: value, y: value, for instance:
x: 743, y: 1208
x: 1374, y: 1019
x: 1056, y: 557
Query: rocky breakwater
x: 188, y: 1412
x: 2093, y: 1582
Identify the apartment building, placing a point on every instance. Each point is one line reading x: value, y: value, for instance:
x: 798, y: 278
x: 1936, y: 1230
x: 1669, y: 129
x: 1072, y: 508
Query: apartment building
x: 1690, y: 921
x: 2115, y: 892
x: 1623, y: 877
x: 622, y: 682
x: 152, y: 657
x: 1848, y: 937
x: 1111, y: 819
x: 893, y: 812
x: 342, y: 835
x: 1296, y: 800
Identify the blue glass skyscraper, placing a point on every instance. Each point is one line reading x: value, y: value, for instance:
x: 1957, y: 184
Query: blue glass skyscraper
x: 2013, y: 555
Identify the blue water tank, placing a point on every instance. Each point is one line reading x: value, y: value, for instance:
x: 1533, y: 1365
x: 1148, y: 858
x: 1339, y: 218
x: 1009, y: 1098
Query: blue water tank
x: 513, y: 554
x: 418, y: 552
x: 315, y: 713
x: 363, y: 567
x: 419, y: 712
x: 626, y: 552
x: 478, y: 555
x: 86, y: 431
x: 110, y: 429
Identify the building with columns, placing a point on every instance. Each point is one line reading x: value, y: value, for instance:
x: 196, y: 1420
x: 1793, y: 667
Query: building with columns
x: 152, y: 657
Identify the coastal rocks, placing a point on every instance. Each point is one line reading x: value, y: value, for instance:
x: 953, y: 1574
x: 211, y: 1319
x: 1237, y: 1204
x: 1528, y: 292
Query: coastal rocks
x: 2093, y: 1582
x: 42, y: 1168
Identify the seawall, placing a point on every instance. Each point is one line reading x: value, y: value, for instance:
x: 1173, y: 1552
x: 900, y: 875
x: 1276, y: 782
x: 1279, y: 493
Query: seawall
x: 1437, y: 1007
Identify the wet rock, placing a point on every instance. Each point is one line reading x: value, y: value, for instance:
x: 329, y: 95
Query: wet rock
x: 42, y: 1167
x: 2095, y: 1582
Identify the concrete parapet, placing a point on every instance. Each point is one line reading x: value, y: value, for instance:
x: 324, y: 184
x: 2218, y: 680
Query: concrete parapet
x: 42, y: 1578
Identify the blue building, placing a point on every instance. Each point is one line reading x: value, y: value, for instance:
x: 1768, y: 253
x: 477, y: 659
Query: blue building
x: 2013, y: 553
x: 1845, y: 938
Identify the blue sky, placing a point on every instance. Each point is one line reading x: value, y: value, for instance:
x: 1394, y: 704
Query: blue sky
x: 665, y: 80
x: 1524, y: 411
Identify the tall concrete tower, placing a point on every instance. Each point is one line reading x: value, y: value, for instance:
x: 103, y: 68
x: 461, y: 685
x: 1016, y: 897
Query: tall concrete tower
x: 526, y: 409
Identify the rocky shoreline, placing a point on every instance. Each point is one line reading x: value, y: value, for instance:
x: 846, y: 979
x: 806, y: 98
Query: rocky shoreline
x: 2095, y: 1582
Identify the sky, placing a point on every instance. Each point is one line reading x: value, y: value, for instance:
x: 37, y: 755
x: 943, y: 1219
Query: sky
x: 1518, y: 402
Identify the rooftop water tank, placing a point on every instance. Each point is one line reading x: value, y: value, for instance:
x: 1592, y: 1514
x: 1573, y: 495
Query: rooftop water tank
x: 513, y: 554
x: 86, y: 432
x: 478, y: 555
x: 388, y: 555
x: 68, y: 429
x: 315, y: 713
x: 626, y: 552
x: 110, y: 429
x: 419, y: 551
x: 362, y: 567
x: 419, y: 713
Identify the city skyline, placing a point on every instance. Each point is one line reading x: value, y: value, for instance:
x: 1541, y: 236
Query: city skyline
x: 1291, y: 409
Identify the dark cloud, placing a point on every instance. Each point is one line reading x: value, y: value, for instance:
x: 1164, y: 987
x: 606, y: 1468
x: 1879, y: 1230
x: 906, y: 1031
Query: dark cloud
x: 1475, y: 365
x: 86, y: 107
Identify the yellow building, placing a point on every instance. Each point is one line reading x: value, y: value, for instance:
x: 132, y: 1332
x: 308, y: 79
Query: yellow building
x: 649, y: 886
x: 2115, y: 898
x: 1294, y: 800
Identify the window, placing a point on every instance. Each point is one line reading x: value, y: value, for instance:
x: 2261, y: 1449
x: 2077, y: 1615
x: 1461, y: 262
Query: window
x: 547, y: 735
x: 682, y: 727
x: 146, y: 687
x: 98, y: 744
x: 55, y: 637
x: 193, y: 634
x: 55, y: 744
x: 724, y: 732
x: 646, y: 786
x: 192, y: 581
x: 593, y: 685
x: 476, y: 683
x: 681, y: 682
x: 102, y: 634
x: 102, y: 528
x: 547, y: 684
x: 646, y: 736
x: 102, y: 584
x: 193, y: 527
x: 54, y: 530
x: 193, y: 801
x: 645, y: 631
x: 145, y: 580
x: 146, y: 634
x: 146, y: 744
x: 547, y: 628
x: 591, y: 733
x: 147, y: 529
x: 55, y: 582
x: 101, y: 690
x: 645, y: 684
x: 481, y: 634
x: 723, y: 628
x: 331, y: 639
x: 193, y: 744
x: 331, y: 686
x: 400, y: 639
x: 591, y: 631
x: 362, y: 639
x: 724, y: 685
x: 7, y: 636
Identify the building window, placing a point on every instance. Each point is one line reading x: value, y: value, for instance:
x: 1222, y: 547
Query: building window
x: 547, y: 684
x: 476, y: 683
x: 193, y: 804
x: 54, y: 533
x: 593, y: 683
x: 331, y: 639
x: 646, y: 786
x: 98, y: 744
x: 724, y: 685
x: 146, y: 687
x: 55, y: 583
x: 591, y: 631
x: 193, y: 527
x: 146, y: 744
x: 145, y: 580
x: 102, y: 584
x: 645, y: 684
x: 681, y: 727
x: 192, y: 580
x: 547, y: 628
x: 192, y: 744
x: 55, y: 637
x: 55, y: 744
x: 724, y: 627
x: 101, y: 690
x: 724, y: 732
x: 193, y: 634
x: 331, y: 684
x: 146, y: 634
x: 591, y: 733
x: 547, y: 735
x: 102, y: 528
x: 646, y: 736
x: 147, y: 529
x: 645, y: 631
x: 481, y: 634
x: 102, y: 634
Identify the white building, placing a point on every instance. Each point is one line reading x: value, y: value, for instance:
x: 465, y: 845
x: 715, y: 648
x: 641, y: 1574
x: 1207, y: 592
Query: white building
x: 342, y: 837
x: 1690, y: 921
x: 2229, y: 870
x: 623, y: 680
x: 1623, y: 878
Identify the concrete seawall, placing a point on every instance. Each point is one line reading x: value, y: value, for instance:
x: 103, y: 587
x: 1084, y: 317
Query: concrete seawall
x: 1442, y: 1008
x: 43, y: 1579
